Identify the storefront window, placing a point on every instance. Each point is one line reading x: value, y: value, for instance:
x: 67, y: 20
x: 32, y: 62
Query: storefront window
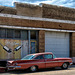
x: 2, y: 33
x: 33, y: 35
x: 24, y: 35
x: 17, y: 34
x: 9, y: 33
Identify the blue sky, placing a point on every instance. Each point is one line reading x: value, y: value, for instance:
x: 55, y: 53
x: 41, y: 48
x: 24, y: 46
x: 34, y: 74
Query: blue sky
x: 65, y: 3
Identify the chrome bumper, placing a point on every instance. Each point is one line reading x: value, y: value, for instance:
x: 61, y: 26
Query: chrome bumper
x: 13, y: 67
x: 71, y: 63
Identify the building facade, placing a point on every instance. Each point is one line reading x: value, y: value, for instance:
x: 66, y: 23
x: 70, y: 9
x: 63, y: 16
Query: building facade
x: 37, y: 28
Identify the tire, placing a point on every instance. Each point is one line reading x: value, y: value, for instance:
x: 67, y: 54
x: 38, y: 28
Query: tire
x: 33, y: 68
x: 64, y: 66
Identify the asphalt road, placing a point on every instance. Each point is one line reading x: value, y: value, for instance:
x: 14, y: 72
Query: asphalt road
x: 57, y: 71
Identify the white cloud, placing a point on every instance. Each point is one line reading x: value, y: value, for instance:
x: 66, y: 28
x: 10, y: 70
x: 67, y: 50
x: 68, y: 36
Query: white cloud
x: 66, y: 3
x: 7, y: 2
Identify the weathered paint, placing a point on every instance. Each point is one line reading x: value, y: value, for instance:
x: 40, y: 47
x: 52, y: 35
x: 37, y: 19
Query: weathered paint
x: 2, y: 52
x: 11, y: 43
x: 24, y: 49
x: 17, y: 54
x: 35, y: 18
x: 34, y: 47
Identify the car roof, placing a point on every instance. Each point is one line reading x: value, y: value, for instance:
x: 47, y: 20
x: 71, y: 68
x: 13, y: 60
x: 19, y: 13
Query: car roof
x: 42, y: 53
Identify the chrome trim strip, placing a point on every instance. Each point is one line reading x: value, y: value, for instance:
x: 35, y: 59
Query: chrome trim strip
x: 14, y: 66
x: 46, y: 62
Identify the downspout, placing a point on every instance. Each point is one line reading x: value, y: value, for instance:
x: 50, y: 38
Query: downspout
x: 28, y: 41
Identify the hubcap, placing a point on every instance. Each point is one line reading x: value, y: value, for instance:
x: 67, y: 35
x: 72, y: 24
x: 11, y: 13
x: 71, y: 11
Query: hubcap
x: 64, y: 65
x: 33, y: 68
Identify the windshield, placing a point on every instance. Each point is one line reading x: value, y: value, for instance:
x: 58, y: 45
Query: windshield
x: 28, y: 57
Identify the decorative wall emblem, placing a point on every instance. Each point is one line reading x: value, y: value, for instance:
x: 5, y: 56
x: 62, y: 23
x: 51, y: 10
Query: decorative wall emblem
x: 9, y: 50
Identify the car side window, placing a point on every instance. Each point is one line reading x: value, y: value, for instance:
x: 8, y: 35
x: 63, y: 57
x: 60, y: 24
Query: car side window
x: 48, y: 56
x: 39, y: 57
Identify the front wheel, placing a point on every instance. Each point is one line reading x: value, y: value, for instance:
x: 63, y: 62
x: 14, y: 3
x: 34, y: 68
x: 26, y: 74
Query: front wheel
x: 33, y: 68
x: 64, y: 66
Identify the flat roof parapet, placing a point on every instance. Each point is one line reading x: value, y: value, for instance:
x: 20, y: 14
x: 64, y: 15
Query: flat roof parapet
x: 66, y: 9
x: 58, y: 12
x: 42, y: 10
x: 26, y: 5
x: 31, y: 10
x: 8, y: 10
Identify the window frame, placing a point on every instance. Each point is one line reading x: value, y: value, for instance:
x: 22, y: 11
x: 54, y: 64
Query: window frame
x: 26, y: 38
x: 12, y: 34
x: 5, y: 34
x: 39, y: 59
x: 36, y: 33
x: 48, y: 54
x: 13, y: 31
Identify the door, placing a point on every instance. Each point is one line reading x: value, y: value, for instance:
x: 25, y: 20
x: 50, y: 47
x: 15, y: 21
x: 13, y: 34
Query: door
x: 33, y: 48
x: 50, y: 61
x: 57, y: 43
x: 40, y: 61
x: 24, y: 49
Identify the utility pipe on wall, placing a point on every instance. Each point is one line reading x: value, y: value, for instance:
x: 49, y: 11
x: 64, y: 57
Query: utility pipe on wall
x: 29, y: 41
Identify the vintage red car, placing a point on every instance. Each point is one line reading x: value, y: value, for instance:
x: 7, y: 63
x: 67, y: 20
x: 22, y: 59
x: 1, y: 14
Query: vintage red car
x: 37, y: 61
